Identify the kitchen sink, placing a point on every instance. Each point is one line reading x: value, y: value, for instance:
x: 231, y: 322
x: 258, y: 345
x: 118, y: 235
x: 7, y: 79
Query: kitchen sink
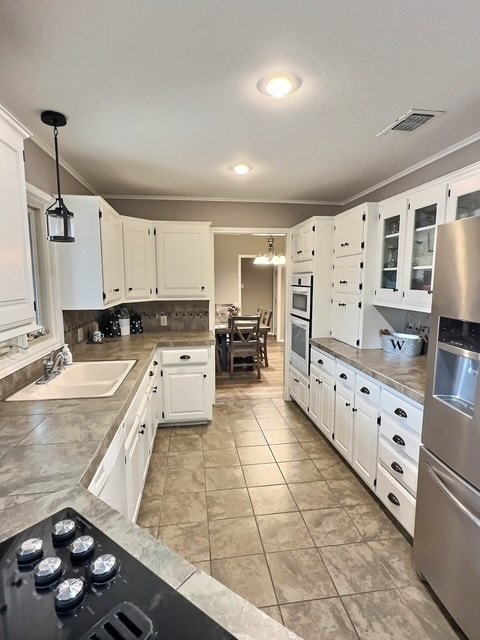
x: 94, y: 379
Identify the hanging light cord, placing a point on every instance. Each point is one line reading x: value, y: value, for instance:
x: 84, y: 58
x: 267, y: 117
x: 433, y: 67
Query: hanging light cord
x: 57, y: 166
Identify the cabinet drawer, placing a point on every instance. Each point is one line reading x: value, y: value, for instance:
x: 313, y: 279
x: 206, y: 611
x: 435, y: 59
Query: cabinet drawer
x: 367, y: 390
x: 403, y: 441
x: 402, y: 469
x: 402, y: 411
x: 397, y: 499
x: 187, y: 356
x: 345, y: 376
x: 322, y: 361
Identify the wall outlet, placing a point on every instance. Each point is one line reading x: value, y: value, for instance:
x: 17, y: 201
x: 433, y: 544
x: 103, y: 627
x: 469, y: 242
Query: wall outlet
x: 80, y: 334
x: 163, y: 321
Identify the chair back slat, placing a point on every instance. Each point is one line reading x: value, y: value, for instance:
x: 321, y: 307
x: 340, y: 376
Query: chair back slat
x: 244, y: 328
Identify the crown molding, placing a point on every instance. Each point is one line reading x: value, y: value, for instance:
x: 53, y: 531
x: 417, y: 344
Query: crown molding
x: 50, y: 152
x: 15, y: 124
x: 415, y: 167
x: 214, y: 199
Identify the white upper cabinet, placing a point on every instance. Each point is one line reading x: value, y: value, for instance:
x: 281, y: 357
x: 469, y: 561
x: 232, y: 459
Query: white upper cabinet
x: 184, y: 260
x: 407, y: 237
x: 348, y: 233
x: 392, y: 217
x: 426, y: 210
x: 91, y: 269
x: 17, y: 314
x: 139, y: 254
x: 463, y: 199
x: 303, y: 242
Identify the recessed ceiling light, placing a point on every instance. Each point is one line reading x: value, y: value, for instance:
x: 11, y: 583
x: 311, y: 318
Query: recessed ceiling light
x: 278, y: 86
x: 241, y: 169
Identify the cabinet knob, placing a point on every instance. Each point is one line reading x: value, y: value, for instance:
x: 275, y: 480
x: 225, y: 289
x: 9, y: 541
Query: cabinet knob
x: 354, y: 409
x: 393, y: 499
x: 150, y: 373
x: 398, y: 440
x: 347, y: 404
x: 155, y: 363
x: 320, y: 361
x: 430, y: 291
x: 365, y: 390
x: 204, y: 375
x: 116, y: 290
x: 130, y: 288
x: 202, y: 288
x: 396, y: 467
x: 400, y: 412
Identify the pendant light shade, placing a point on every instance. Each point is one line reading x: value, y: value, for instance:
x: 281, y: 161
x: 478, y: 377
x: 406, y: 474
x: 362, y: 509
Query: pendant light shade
x: 270, y: 257
x: 59, y: 218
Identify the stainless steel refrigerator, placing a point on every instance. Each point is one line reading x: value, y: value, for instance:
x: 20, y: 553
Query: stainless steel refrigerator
x: 447, y: 524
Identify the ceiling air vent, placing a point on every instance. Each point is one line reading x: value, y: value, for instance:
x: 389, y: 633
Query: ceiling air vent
x: 410, y: 121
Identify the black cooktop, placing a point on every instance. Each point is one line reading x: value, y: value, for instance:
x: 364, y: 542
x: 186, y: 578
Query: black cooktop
x: 63, y: 579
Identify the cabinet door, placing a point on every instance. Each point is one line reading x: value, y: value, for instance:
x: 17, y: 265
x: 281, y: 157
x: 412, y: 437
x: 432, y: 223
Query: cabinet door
x: 293, y: 383
x: 138, y: 247
x: 183, y: 258
x: 365, y: 441
x: 112, y: 255
x: 426, y: 210
x: 308, y: 241
x: 16, y: 282
x: 327, y: 405
x: 392, y: 217
x: 463, y: 198
x: 346, y: 318
x: 348, y: 233
x: 347, y: 274
x: 185, y: 394
x: 134, y: 451
x: 296, y: 245
x: 303, y: 392
x: 315, y: 395
x: 343, y: 441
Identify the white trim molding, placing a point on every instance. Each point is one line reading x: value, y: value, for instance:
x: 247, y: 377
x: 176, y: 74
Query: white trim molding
x: 218, y: 199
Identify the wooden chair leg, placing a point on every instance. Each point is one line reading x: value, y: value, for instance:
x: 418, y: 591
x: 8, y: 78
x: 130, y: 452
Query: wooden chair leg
x: 265, y: 355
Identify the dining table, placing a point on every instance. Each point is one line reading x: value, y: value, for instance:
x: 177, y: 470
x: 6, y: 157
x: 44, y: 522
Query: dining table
x: 222, y: 331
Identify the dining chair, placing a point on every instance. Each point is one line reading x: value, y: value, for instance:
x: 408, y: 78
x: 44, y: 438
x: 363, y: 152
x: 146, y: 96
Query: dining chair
x: 260, y: 312
x: 244, y: 343
x: 263, y: 337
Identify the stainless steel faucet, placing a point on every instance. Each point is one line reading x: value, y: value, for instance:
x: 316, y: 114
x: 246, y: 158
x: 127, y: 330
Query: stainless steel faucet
x: 52, y: 365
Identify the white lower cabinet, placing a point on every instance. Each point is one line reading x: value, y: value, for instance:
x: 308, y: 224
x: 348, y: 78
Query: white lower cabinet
x: 365, y: 441
x: 186, y: 386
x: 298, y: 385
x: 343, y: 437
x: 321, y: 407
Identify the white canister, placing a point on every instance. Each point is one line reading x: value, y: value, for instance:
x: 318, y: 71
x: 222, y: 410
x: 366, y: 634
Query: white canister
x: 124, y: 326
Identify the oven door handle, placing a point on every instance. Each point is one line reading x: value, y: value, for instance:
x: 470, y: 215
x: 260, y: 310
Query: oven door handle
x: 460, y: 506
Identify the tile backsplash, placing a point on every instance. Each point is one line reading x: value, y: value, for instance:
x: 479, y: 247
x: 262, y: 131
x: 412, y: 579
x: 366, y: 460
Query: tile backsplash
x: 182, y: 315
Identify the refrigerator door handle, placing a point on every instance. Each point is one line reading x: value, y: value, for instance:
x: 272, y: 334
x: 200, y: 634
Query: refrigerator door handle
x: 468, y: 514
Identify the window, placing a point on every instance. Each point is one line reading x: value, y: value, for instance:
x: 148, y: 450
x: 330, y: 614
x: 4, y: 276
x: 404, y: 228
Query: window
x: 33, y: 346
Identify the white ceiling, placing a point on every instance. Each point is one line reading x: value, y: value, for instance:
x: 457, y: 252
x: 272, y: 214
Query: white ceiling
x: 161, y: 95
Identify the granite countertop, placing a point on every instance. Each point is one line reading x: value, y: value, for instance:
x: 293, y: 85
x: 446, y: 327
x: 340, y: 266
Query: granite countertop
x: 50, y: 450
x: 402, y: 374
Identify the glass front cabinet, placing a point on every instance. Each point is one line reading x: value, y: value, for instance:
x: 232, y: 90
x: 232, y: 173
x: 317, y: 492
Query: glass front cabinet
x: 392, y: 220
x: 426, y: 210
x: 463, y: 199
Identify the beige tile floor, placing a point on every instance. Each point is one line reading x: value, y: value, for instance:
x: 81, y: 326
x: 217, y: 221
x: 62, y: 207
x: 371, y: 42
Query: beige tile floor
x: 260, y: 500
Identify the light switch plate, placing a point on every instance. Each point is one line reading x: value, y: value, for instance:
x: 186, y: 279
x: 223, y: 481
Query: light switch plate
x: 163, y: 321
x: 80, y: 334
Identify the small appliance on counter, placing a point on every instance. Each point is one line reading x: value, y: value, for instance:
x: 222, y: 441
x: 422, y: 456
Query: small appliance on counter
x: 64, y: 579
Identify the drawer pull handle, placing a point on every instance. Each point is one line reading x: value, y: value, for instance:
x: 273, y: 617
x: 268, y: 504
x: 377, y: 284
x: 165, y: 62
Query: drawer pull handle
x: 393, y: 499
x: 185, y: 357
x: 155, y: 363
x: 347, y: 404
x: 150, y: 373
x: 343, y: 376
x: 396, y: 467
x: 354, y: 409
x: 400, y: 412
x: 320, y: 361
x: 398, y: 440
x: 365, y: 390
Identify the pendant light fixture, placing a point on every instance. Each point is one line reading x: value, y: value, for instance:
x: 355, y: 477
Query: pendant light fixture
x: 270, y: 257
x: 59, y: 218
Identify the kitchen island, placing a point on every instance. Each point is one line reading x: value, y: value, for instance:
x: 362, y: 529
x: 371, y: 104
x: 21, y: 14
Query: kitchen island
x: 50, y: 450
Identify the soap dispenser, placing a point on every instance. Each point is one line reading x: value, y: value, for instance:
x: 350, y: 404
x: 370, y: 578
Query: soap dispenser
x: 67, y: 357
